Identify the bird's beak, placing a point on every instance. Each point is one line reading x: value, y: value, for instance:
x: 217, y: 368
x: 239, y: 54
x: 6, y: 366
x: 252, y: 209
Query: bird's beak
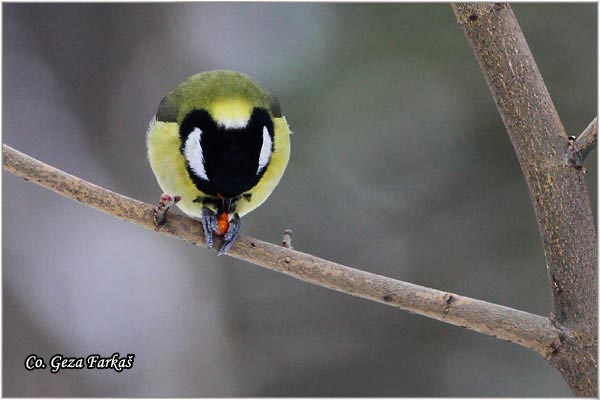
x: 227, y: 204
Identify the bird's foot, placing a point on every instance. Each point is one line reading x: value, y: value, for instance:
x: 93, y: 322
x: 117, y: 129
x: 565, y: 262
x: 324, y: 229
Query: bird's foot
x: 220, y: 226
x: 160, y: 211
x: 232, y: 233
x: 210, y: 224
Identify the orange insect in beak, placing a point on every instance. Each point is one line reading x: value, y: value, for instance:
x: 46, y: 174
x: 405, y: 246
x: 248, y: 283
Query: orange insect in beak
x: 223, y: 217
x: 223, y: 224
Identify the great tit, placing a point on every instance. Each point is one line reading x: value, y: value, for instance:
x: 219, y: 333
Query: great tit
x: 218, y: 145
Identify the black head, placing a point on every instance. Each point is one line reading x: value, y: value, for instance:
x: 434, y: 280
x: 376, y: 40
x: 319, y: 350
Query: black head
x: 226, y: 161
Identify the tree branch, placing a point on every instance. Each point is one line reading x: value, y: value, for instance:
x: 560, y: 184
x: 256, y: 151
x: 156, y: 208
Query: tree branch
x: 558, y: 193
x: 529, y: 330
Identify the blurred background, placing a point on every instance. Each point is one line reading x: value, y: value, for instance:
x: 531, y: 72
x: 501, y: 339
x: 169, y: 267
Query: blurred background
x: 400, y: 166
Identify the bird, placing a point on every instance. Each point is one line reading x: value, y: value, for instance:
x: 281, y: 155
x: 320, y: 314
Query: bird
x: 218, y: 146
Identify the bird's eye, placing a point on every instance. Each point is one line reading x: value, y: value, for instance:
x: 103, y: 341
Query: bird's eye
x: 193, y: 153
x: 265, y: 151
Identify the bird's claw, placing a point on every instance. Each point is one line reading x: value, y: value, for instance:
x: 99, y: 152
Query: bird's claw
x: 160, y: 211
x: 209, y: 224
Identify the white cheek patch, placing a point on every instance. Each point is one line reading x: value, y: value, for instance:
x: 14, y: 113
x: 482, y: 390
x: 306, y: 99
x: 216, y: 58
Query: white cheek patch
x: 265, y: 151
x: 193, y: 153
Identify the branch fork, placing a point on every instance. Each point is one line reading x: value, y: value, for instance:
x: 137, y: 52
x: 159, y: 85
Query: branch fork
x: 559, y: 195
x: 578, y: 148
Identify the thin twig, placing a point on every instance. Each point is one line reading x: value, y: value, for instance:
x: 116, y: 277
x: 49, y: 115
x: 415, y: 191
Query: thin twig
x: 288, y: 235
x: 532, y: 331
x: 586, y: 142
x: 579, y: 147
